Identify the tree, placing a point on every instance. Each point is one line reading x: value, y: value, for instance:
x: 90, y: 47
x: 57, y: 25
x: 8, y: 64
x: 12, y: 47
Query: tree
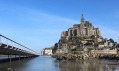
x: 117, y: 45
x: 96, y: 44
x: 80, y: 38
x: 55, y: 48
x: 111, y: 40
x: 78, y: 41
x: 92, y: 37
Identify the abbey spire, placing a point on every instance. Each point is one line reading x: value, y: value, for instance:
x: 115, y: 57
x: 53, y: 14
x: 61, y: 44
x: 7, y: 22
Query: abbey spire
x: 82, y: 19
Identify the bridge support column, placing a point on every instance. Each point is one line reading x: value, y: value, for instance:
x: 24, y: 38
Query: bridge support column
x: 10, y: 57
x: 27, y: 56
x: 15, y: 56
x: 24, y: 56
x: 19, y: 57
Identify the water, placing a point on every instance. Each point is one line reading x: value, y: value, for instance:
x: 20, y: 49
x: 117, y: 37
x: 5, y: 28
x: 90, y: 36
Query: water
x: 47, y: 63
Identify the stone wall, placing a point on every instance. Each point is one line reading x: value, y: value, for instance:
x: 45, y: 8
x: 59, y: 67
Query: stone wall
x: 105, y: 51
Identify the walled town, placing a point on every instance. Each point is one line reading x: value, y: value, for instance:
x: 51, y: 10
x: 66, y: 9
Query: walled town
x: 83, y: 41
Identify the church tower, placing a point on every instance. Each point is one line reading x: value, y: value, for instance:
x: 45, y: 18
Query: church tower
x: 82, y: 19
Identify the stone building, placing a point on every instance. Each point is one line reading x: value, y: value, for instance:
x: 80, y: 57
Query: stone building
x: 47, y: 51
x: 106, y: 43
x: 84, y: 29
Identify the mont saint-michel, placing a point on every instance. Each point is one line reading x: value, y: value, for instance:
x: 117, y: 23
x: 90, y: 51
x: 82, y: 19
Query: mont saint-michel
x: 83, y: 33
x: 59, y: 35
x: 85, y: 40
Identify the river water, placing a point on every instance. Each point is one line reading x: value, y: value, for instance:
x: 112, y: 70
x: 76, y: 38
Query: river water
x: 47, y: 63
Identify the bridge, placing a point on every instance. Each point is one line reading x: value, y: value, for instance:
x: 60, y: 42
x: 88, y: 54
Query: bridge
x: 12, y: 48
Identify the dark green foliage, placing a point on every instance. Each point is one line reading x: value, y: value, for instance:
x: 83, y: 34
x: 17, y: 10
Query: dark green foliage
x: 55, y: 48
x: 118, y: 45
x: 111, y: 40
x: 89, y: 49
x: 92, y: 37
x: 80, y: 38
x: 89, y: 43
x: 78, y: 41
x: 96, y: 44
x: 73, y: 49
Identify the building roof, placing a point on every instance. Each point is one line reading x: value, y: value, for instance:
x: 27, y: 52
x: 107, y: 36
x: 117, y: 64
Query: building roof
x: 76, y: 25
x: 48, y: 49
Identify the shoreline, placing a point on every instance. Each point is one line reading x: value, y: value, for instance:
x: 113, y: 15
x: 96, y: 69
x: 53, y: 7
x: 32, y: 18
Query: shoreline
x: 78, y: 57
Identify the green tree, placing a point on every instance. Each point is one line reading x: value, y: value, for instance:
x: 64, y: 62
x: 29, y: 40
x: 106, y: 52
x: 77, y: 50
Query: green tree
x: 96, y: 44
x: 111, y: 40
x: 92, y: 37
x: 78, y: 41
x: 55, y: 48
x: 80, y: 38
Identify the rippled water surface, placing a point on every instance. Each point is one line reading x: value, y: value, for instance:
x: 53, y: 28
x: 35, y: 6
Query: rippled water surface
x: 47, y: 63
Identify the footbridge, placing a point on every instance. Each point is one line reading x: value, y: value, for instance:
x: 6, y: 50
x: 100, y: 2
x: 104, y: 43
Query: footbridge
x: 11, y: 47
x: 14, y: 50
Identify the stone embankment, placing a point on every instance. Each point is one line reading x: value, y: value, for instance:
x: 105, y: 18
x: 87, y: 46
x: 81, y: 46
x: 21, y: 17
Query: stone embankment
x: 85, y: 56
x: 106, y: 56
x: 71, y: 57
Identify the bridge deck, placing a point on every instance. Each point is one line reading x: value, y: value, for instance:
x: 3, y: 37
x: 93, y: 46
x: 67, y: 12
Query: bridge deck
x: 7, y: 49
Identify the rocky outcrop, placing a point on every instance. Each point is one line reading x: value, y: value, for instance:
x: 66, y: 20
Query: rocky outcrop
x: 71, y: 57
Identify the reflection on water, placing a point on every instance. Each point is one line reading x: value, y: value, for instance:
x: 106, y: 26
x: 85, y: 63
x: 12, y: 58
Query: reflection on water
x: 42, y: 63
x: 47, y: 63
x: 89, y: 65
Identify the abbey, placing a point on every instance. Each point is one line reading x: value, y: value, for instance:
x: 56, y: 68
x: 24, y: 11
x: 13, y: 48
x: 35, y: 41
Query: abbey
x: 84, y: 29
x: 83, y: 37
x: 78, y: 35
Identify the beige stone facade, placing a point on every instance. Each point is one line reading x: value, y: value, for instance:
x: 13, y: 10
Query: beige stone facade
x: 106, y: 43
x: 115, y: 51
x: 47, y: 51
x: 84, y: 29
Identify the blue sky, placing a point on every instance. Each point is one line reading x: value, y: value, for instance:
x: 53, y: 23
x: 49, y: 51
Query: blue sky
x: 38, y: 23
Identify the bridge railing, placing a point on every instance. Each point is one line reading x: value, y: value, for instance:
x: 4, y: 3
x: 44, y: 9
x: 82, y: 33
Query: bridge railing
x: 15, y: 45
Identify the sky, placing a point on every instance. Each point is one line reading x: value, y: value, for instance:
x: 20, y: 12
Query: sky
x: 38, y: 24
